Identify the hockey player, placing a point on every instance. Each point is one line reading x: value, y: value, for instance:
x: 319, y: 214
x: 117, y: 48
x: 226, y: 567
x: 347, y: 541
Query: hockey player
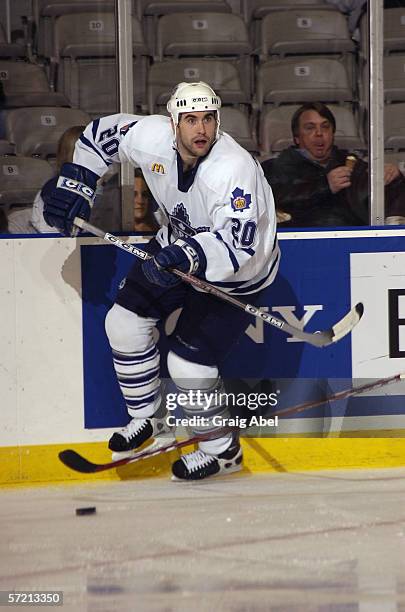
x: 219, y: 225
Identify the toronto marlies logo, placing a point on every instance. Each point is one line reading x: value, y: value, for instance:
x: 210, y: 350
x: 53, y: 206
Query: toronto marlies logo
x: 181, y: 224
x: 240, y: 200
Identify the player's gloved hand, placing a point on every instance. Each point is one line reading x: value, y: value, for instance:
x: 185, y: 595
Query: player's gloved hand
x: 69, y: 195
x: 185, y: 255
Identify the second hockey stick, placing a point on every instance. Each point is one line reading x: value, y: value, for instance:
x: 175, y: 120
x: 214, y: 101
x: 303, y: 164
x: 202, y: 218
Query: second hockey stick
x: 319, y: 339
x: 75, y: 461
x: 78, y: 463
x: 340, y: 395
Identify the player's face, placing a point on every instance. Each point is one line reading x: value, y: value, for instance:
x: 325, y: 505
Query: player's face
x: 141, y: 199
x: 195, y: 134
x: 315, y: 134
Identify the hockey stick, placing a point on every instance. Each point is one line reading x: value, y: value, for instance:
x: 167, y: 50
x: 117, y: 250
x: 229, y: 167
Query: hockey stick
x: 318, y: 339
x: 340, y: 395
x: 77, y: 462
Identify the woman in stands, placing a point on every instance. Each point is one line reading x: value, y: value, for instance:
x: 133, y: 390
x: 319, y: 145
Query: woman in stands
x: 144, y: 218
x: 31, y: 220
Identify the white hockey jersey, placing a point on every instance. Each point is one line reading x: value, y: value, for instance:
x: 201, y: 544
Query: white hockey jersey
x: 224, y: 203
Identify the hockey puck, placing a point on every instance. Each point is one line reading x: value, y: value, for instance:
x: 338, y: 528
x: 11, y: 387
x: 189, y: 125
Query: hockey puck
x: 83, y: 511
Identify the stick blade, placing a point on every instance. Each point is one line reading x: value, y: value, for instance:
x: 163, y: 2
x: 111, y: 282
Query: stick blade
x: 348, y: 323
x: 76, y: 462
x: 340, y: 329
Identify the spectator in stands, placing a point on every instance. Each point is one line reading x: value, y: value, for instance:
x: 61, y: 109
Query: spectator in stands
x: 31, y: 220
x: 315, y: 184
x: 353, y: 9
x: 3, y: 222
x: 144, y: 219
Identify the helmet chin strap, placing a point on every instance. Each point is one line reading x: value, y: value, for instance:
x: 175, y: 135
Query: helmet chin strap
x: 174, y: 127
x: 218, y: 121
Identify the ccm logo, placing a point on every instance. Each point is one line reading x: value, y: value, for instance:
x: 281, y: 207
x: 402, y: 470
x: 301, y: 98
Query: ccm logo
x: 76, y: 187
x: 125, y: 246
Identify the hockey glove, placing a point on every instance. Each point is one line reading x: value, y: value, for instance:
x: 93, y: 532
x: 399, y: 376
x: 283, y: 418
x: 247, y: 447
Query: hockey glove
x: 184, y: 255
x: 69, y: 195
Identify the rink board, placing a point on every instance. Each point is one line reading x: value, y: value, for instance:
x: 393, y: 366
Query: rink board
x: 58, y: 386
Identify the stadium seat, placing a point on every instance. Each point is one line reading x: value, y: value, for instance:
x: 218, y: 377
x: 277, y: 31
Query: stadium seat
x: 164, y: 7
x: 235, y: 122
x: 394, y: 126
x: 394, y: 32
x: 150, y: 11
x: 6, y: 148
x: 394, y: 29
x: 21, y: 179
x: 275, y: 129
x: 394, y: 80
x: 9, y: 50
x: 223, y: 76
x: 201, y: 34
x: 257, y: 9
x: 58, y: 7
x: 27, y: 85
x: 394, y: 77
x: 302, y: 79
x: 47, y: 11
x: 85, y: 49
x: 36, y: 130
x: 362, y: 50
x: 304, y: 31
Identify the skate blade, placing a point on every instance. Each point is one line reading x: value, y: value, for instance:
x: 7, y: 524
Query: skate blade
x: 155, y: 445
x: 231, y: 470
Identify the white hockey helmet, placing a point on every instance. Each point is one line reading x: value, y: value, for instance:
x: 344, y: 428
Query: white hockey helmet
x: 189, y: 97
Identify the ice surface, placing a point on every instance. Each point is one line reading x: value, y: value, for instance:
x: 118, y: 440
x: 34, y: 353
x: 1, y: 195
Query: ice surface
x: 312, y: 542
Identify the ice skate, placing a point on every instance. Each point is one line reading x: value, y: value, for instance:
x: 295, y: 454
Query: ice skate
x: 139, y: 434
x: 198, y: 465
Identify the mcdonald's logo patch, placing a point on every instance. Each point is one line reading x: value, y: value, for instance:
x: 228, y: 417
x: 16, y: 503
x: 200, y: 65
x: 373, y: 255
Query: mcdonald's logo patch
x: 158, y: 168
